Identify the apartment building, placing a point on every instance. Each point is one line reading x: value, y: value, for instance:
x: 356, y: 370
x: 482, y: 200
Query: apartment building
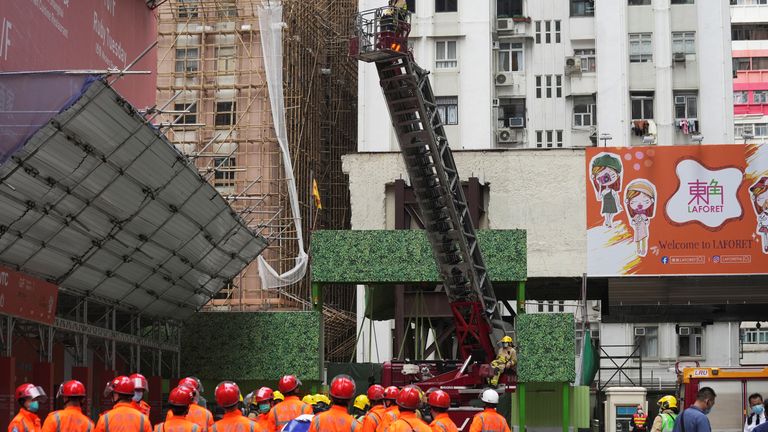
x: 749, y: 32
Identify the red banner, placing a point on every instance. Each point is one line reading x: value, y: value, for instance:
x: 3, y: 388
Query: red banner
x: 27, y: 297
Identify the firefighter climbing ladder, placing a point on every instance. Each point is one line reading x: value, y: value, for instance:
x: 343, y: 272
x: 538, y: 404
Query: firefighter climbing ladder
x: 437, y: 187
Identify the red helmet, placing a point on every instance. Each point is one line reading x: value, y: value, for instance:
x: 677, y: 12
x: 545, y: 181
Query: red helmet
x: 391, y: 392
x: 288, y: 383
x: 409, y: 398
x: 181, y: 396
x: 439, y: 399
x: 343, y: 387
x: 263, y: 394
x: 139, y: 381
x: 120, y: 385
x: 29, y: 391
x: 375, y: 393
x: 190, y: 382
x: 71, y: 388
x: 227, y: 394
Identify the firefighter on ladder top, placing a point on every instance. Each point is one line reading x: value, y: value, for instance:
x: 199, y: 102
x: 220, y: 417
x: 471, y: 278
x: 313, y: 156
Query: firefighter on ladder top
x: 394, y: 27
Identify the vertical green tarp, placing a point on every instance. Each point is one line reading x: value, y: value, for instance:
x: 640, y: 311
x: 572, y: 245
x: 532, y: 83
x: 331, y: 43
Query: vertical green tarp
x: 589, y: 361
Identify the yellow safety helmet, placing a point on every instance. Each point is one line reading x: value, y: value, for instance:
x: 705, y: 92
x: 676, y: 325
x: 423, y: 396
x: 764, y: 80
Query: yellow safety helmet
x: 506, y: 339
x: 667, y: 402
x: 321, y: 398
x: 308, y: 399
x: 361, y: 402
x: 278, y: 397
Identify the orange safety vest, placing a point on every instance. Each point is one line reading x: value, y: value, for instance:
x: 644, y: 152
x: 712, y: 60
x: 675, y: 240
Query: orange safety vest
x: 443, y: 423
x: 142, y: 406
x: 197, y: 415
x: 336, y: 419
x: 286, y: 411
x: 408, y: 422
x: 234, y: 421
x: 177, y: 424
x: 262, y: 423
x: 373, y: 418
x: 390, y: 415
x: 639, y: 420
x: 123, y: 418
x: 25, y: 421
x: 70, y: 419
x: 489, y: 421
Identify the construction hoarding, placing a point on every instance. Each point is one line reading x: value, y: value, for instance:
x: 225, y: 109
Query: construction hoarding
x: 27, y: 297
x: 677, y: 210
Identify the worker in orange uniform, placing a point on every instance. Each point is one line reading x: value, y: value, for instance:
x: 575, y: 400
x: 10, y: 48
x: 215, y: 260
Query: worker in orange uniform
x: 375, y: 414
x: 290, y: 408
x: 122, y: 417
x: 439, y: 402
x: 197, y: 414
x: 263, y: 401
x: 337, y: 419
x: 489, y: 420
x: 409, y: 400
x: 29, y: 397
x: 391, y: 411
x: 180, y: 399
x: 141, y: 387
x: 228, y: 397
x: 71, y: 418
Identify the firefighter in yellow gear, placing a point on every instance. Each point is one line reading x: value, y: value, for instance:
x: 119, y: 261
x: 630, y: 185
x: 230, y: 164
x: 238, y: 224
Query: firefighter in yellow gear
x: 506, y: 359
x: 665, y: 421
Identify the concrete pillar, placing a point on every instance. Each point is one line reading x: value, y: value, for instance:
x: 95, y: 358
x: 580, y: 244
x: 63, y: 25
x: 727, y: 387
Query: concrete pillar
x: 662, y: 59
x: 155, y: 399
x: 7, y: 388
x: 84, y: 374
x: 42, y: 375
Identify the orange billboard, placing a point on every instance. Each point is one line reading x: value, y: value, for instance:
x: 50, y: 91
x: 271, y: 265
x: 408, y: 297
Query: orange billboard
x: 677, y: 210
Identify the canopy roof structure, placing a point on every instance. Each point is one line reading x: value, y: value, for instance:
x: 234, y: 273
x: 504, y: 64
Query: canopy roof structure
x: 97, y: 201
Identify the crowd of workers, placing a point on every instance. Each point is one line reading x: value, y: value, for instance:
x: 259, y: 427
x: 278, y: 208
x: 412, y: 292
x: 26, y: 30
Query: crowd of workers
x: 380, y: 409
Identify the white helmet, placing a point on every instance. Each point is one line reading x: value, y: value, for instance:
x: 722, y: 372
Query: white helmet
x: 490, y: 396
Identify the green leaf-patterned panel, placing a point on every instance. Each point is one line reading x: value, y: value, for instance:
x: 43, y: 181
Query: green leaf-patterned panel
x: 404, y: 256
x: 546, y: 345
x: 251, y: 346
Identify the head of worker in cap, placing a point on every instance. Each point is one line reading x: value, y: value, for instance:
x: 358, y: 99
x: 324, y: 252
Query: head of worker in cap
x: 640, y: 198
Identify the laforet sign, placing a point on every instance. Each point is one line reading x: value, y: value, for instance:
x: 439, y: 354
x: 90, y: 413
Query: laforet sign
x: 671, y: 210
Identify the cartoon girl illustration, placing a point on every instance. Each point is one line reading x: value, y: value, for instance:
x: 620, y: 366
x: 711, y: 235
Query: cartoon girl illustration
x: 759, y: 193
x: 640, y: 198
x: 606, y: 179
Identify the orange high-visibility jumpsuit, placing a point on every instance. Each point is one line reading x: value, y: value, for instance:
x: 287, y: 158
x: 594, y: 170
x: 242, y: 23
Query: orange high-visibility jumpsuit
x: 443, y: 423
x: 25, y: 421
x: 373, y: 418
x: 177, y: 424
x: 335, y: 419
x: 489, y: 421
x: 123, y: 418
x: 235, y: 421
x: 262, y: 423
x: 408, y: 422
x: 197, y: 415
x: 142, y: 406
x: 69, y: 419
x: 286, y: 411
x: 391, y: 414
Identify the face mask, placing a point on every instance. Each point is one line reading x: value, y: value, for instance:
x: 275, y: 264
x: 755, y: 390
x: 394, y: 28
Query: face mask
x: 758, y: 409
x: 34, y: 406
x: 263, y: 408
x: 708, y: 410
x: 137, y: 396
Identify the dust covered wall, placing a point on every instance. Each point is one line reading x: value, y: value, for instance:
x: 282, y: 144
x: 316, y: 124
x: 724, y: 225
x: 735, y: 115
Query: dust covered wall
x: 251, y: 346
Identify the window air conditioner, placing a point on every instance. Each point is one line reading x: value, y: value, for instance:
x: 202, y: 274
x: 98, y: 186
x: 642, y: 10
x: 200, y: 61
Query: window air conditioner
x: 504, y: 79
x: 679, y: 100
x: 516, y: 122
x: 639, y: 331
x: 505, y: 135
x: 678, y: 57
x: 505, y: 24
x: 684, y: 331
x: 572, y: 66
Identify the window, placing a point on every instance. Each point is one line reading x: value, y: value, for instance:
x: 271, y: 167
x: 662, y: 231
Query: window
x: 582, y: 8
x: 557, y: 31
x: 510, y: 57
x: 642, y: 106
x: 446, y: 5
x: 761, y: 130
x: 185, y: 118
x: 559, y: 85
x: 559, y: 143
x: 548, y: 31
x: 511, y: 113
x: 760, y: 97
x: 684, y: 42
x: 448, y: 108
x: 226, y: 8
x: 538, y: 86
x: 748, y: 2
x: 588, y: 62
x: 187, y: 60
x: 549, y: 144
x: 639, y: 2
x: 744, y: 129
x: 686, y: 106
x: 689, y: 343
x: 759, y: 63
x: 549, y: 85
x: 225, y: 59
x: 584, y: 111
x: 739, y: 97
x: 682, y: 1
x: 749, y: 32
x: 224, y: 174
x: 749, y: 336
x: 537, y: 25
x: 539, y: 143
x: 742, y: 63
x: 187, y: 9
x: 640, y: 47
x: 509, y: 8
x: 649, y: 344
x: 445, y: 54
x: 225, y: 114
